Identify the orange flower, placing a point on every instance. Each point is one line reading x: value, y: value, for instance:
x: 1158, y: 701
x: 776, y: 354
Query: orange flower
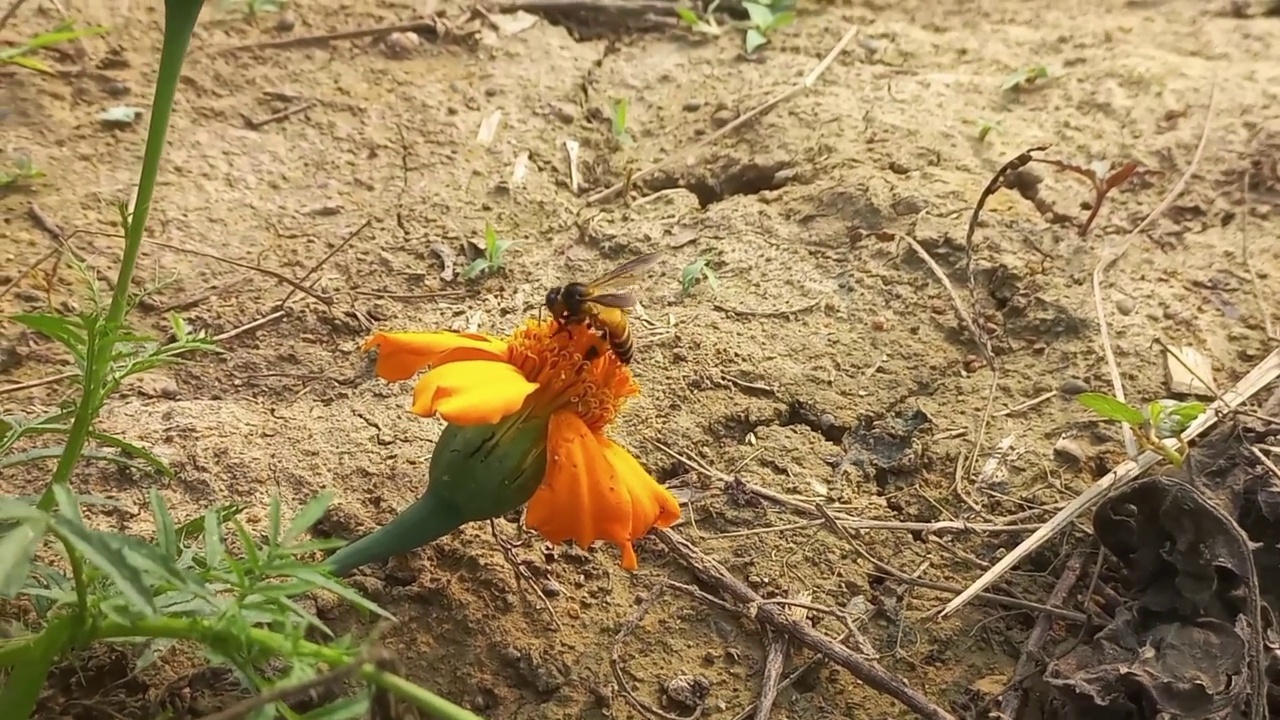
x: 592, y: 488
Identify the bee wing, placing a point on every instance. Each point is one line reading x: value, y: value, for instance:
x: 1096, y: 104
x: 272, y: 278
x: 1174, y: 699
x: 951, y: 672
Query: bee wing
x: 625, y: 272
x: 621, y: 300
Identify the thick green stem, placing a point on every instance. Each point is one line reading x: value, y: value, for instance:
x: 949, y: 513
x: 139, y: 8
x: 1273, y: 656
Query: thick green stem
x: 196, y: 630
x: 179, y: 21
x: 429, y: 518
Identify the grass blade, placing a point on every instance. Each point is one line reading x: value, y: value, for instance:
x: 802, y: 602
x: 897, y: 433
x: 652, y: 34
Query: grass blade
x: 307, y: 516
x: 104, y: 551
x: 166, y: 535
x: 26, y: 681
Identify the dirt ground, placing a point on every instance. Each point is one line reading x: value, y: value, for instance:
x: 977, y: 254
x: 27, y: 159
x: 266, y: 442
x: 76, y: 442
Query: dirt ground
x: 827, y: 363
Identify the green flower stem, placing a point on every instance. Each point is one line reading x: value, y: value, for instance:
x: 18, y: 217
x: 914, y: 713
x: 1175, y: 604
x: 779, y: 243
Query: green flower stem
x: 189, y: 629
x: 179, y: 22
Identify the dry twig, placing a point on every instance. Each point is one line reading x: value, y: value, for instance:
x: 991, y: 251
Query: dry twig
x: 802, y: 87
x: 866, y: 671
x: 1257, y: 378
x: 1012, y: 701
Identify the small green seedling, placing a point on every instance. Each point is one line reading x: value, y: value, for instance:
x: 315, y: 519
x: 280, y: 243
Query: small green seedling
x: 706, y: 24
x: 253, y: 8
x: 695, y: 272
x: 21, y: 55
x: 985, y: 128
x: 1025, y: 78
x: 1160, y: 420
x: 618, y: 114
x: 765, y: 20
x: 22, y: 171
x: 494, y: 249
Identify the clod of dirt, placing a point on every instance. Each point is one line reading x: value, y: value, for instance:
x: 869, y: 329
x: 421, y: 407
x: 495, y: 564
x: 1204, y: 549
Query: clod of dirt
x: 536, y: 673
x: 690, y: 691
x: 1072, y: 387
x: 886, y: 447
x: 729, y: 176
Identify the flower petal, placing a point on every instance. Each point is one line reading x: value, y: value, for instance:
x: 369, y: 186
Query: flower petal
x: 581, y: 498
x: 651, y: 503
x: 402, y: 355
x: 471, y: 392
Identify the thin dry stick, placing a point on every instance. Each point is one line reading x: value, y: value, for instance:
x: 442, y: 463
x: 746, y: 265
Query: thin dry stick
x: 415, y: 26
x: 869, y: 673
x: 801, y: 88
x: 523, y: 576
x: 1012, y: 701
x: 274, y: 274
x: 1263, y: 308
x: 8, y: 14
x: 775, y: 660
x: 28, y: 270
x: 336, y: 249
x: 1107, y: 260
x: 332, y: 678
x: 849, y: 633
x: 893, y: 572
x: 615, y: 661
x: 32, y: 384
x: 1262, y: 374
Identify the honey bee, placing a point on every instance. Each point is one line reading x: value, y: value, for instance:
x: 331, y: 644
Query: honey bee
x: 602, y: 305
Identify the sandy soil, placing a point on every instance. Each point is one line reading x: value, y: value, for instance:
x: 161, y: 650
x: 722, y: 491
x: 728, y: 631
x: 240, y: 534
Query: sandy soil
x: 827, y: 364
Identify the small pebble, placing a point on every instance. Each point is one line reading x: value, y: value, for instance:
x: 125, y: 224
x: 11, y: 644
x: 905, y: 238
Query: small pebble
x: 692, y: 105
x: 1126, y: 306
x: 878, y: 323
x: 401, y: 44
x: 564, y: 112
x: 690, y: 691
x: 286, y: 22
x: 1073, y: 387
x: 116, y: 89
x: 723, y: 117
x: 550, y: 589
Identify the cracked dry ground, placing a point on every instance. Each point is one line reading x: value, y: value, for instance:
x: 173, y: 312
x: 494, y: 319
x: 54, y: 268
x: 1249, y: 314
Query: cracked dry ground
x: 827, y: 365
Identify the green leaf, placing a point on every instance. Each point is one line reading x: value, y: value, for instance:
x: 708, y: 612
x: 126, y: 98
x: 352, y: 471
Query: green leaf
x: 273, y: 522
x: 30, y: 63
x: 104, y: 551
x: 1110, y: 408
x: 320, y: 580
x: 17, y: 549
x: 309, y: 515
x: 755, y: 39
x: 135, y: 451
x: 166, y: 535
x: 26, y: 680
x: 250, y: 548
x: 689, y: 17
x: 761, y: 15
x: 56, y: 451
x: 782, y: 20
x: 65, y: 331
x: 214, y: 544
x: 195, y: 527
x: 476, y: 267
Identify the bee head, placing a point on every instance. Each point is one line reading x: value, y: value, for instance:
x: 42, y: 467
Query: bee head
x: 553, y: 299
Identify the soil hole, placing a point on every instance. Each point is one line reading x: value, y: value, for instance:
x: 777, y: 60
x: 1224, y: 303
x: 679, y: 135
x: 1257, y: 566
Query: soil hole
x: 728, y: 178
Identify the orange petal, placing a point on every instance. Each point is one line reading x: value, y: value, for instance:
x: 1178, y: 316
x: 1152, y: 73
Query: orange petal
x: 471, y: 392
x: 651, y: 503
x: 581, y: 498
x: 402, y: 355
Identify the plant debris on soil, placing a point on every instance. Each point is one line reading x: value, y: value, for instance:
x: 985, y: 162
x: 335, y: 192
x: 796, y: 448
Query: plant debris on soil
x: 824, y: 410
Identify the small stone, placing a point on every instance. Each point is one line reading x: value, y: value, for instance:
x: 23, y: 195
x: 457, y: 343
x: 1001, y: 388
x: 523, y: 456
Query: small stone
x: 690, y: 691
x: 1126, y: 305
x: 692, y: 105
x: 910, y: 205
x: 286, y: 22
x: 169, y: 390
x: 401, y: 44
x: 899, y: 167
x: 116, y: 89
x: 550, y: 589
x: 878, y: 323
x: 564, y: 112
x: 723, y: 117
x: 1069, y: 449
x: 1073, y: 387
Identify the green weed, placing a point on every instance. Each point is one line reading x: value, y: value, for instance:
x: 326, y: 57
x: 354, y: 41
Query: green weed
x: 696, y: 272
x: 495, y: 250
x: 766, y: 19
x: 1159, y: 420
x: 206, y: 579
x: 24, y: 55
